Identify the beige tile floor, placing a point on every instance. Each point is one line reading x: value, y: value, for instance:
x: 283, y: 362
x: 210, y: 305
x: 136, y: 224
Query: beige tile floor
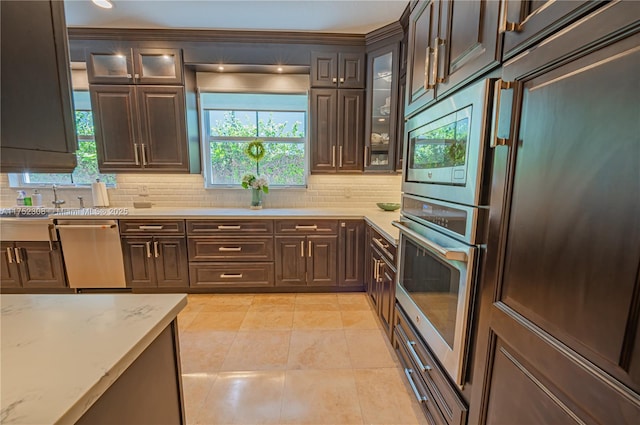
x: 290, y: 359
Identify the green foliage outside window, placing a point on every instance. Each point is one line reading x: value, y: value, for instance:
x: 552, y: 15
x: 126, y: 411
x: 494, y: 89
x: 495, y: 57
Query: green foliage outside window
x: 283, y: 163
x: 442, y: 147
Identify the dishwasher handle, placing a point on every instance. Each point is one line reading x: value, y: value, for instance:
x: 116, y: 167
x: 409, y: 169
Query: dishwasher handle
x: 85, y: 226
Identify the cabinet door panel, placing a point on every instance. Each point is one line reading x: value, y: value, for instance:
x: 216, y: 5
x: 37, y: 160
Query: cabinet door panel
x: 110, y: 66
x: 351, y: 255
x: 162, y: 128
x: 423, y: 27
x: 469, y: 33
x: 323, y: 69
x: 114, y: 118
x: 138, y: 262
x: 291, y: 261
x: 564, y: 248
x: 351, y: 72
x: 324, y: 105
x: 350, y: 130
x: 172, y: 268
x: 387, y: 297
x: 41, y: 266
x: 322, y: 265
x: 158, y: 66
x: 9, y: 274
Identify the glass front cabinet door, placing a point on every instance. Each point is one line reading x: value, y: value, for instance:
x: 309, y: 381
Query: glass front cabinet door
x: 382, y: 101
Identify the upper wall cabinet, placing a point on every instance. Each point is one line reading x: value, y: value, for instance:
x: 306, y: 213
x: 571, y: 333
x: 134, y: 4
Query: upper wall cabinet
x: 338, y: 69
x: 38, y: 130
x: 450, y: 42
x: 382, y: 104
x: 135, y: 66
x: 526, y: 22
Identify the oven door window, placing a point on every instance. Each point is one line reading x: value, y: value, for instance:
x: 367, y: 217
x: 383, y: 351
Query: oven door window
x: 438, y: 150
x: 433, y: 285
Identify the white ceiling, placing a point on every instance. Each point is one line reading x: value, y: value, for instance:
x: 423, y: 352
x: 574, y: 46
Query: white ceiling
x: 338, y: 16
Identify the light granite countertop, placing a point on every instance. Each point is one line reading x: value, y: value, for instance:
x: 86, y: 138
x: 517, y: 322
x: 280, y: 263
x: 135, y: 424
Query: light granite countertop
x: 379, y: 219
x: 60, y: 353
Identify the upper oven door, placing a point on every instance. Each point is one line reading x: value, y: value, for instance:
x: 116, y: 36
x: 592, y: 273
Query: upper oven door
x: 446, y: 147
x: 434, y: 287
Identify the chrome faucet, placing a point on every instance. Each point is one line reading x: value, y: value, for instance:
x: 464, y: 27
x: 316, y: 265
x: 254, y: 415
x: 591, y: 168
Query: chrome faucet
x: 56, y: 202
x: 81, y: 199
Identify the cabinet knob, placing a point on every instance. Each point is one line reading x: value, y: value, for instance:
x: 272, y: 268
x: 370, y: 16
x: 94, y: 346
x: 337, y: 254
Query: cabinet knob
x: 342, y: 80
x: 137, y: 76
x: 129, y: 76
x: 335, y: 80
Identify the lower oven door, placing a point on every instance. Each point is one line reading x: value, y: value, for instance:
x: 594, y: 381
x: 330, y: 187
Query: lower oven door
x: 434, y: 287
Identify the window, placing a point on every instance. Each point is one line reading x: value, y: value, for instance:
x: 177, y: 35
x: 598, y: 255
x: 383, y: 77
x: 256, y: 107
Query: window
x: 233, y: 120
x: 86, y: 171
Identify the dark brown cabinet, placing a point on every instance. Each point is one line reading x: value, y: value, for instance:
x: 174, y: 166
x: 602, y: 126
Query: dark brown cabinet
x: 450, y: 43
x: 351, y: 253
x: 158, y: 261
x: 230, y: 253
x: 382, y: 109
x: 381, y: 277
x: 336, y: 130
x: 135, y: 66
x: 38, y: 127
x: 140, y: 128
x: 31, y: 265
x: 306, y: 252
x: 527, y: 22
x: 559, y: 296
x: 155, y: 253
x: 338, y: 69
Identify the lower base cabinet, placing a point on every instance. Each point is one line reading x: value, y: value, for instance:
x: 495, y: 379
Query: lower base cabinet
x: 155, y: 262
x: 31, y: 265
x: 381, y: 277
x: 306, y: 260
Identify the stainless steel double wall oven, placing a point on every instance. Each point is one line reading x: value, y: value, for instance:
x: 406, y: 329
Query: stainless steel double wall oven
x: 443, y: 208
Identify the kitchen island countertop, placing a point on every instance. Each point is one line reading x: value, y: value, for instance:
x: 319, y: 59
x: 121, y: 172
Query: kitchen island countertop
x: 60, y: 353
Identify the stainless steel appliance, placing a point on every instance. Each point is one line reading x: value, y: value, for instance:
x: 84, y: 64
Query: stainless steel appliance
x: 92, y: 253
x: 436, y: 275
x: 445, y: 148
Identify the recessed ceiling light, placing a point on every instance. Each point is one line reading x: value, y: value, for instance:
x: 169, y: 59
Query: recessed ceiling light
x: 221, y: 68
x: 279, y: 69
x: 105, y: 4
x: 381, y: 119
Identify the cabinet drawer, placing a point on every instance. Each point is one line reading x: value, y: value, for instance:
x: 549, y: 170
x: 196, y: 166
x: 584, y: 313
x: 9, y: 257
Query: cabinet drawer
x: 444, y: 393
x: 229, y: 227
x: 385, y: 247
x: 228, y: 275
x: 257, y: 248
x: 152, y: 227
x: 429, y: 408
x: 307, y: 227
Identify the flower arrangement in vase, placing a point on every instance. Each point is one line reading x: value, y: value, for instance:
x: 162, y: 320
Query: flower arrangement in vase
x: 255, y: 150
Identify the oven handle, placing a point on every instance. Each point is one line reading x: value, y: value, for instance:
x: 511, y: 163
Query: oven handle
x: 445, y: 253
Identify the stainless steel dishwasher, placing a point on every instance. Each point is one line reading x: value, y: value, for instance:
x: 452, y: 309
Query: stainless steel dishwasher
x: 92, y: 253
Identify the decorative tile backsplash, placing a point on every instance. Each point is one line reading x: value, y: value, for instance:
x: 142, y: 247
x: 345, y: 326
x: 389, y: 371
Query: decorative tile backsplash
x: 187, y: 190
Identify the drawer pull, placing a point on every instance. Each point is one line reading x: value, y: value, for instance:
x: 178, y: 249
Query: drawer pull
x: 301, y: 248
x: 309, y: 248
x: 147, y: 227
x: 226, y: 227
x: 230, y: 248
x: 380, y: 244
x: 301, y: 227
x: 231, y: 275
x: 148, y: 246
x: 9, y: 255
x: 156, y: 253
x: 419, y: 397
x: 412, y: 350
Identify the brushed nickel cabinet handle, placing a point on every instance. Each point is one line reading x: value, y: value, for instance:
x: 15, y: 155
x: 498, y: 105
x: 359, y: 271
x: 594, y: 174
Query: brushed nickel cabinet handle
x: 231, y: 275
x: 366, y: 156
x: 419, y: 397
x: 149, y: 227
x: 9, y: 255
x: 148, y: 246
x: 440, y: 45
x: 335, y: 80
x: 144, y: 155
x: 226, y: 227
x: 230, y: 249
x: 413, y: 353
x: 129, y: 76
x: 495, y: 140
x: 333, y: 156
x: 380, y: 244
x: 340, y: 158
x: 342, y: 80
x: 309, y: 248
x: 17, y: 255
x: 426, y: 68
x: 310, y: 227
x: 136, y: 158
x: 156, y: 253
x: 375, y: 269
x: 301, y: 248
